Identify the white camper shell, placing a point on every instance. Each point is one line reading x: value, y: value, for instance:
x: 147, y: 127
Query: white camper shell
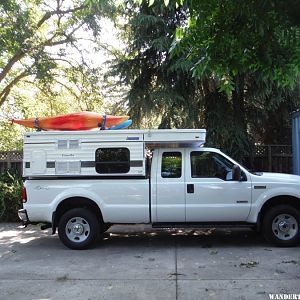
x: 99, y: 153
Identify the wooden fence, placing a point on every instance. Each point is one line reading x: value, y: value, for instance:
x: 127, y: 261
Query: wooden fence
x: 11, y: 160
x: 271, y: 158
x: 268, y: 158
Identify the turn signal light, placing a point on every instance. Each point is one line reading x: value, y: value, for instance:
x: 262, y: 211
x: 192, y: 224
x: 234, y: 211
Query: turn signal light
x: 24, y: 195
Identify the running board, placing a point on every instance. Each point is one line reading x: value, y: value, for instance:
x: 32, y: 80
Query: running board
x: 203, y: 225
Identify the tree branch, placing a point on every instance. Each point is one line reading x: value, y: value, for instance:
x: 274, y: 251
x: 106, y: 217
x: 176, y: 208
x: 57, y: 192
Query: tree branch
x: 5, y: 92
x: 66, y: 61
x: 21, y: 53
x: 18, y: 55
x: 68, y: 89
x: 115, y: 53
x: 49, y: 14
x: 68, y: 38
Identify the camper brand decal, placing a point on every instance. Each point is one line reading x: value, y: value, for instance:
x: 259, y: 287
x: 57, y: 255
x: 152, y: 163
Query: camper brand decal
x: 132, y: 138
x: 39, y: 187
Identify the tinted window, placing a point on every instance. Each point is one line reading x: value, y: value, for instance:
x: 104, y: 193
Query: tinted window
x: 210, y: 165
x: 171, y: 165
x: 112, y: 160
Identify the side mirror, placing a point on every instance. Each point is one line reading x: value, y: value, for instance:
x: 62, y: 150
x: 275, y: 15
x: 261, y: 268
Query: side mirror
x: 236, y: 173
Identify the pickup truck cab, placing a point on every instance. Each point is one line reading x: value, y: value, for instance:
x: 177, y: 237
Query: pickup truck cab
x: 162, y: 177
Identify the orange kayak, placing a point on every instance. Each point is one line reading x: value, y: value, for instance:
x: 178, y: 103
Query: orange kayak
x: 76, y: 121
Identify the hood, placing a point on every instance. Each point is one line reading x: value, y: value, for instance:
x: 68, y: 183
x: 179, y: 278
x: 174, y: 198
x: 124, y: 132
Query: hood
x: 276, y: 177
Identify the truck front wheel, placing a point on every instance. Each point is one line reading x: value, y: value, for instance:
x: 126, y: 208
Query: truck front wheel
x: 281, y: 225
x: 78, y: 228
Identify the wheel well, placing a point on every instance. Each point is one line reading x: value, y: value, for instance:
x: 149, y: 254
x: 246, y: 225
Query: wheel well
x: 279, y: 200
x: 75, y: 202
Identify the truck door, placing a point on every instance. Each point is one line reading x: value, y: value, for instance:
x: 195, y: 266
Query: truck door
x: 211, y: 194
x: 170, y: 186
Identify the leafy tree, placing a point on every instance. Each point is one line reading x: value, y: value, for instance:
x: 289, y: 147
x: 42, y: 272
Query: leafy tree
x: 227, y: 40
x: 40, y: 38
x: 229, y: 66
x: 251, y: 51
x: 158, y: 94
x: 60, y: 97
x: 47, y: 61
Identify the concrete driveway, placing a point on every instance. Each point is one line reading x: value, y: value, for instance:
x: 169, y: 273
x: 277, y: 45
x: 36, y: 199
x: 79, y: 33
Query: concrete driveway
x: 138, y: 262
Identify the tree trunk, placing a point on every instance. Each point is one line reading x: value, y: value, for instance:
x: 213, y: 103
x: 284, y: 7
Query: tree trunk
x: 238, y: 104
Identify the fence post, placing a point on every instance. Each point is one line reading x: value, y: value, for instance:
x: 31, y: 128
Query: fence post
x: 8, y: 160
x: 269, y: 158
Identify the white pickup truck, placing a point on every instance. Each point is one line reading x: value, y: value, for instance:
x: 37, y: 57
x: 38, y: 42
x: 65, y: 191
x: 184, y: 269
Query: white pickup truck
x: 83, y: 182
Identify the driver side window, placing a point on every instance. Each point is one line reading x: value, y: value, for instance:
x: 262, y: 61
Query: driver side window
x: 205, y: 164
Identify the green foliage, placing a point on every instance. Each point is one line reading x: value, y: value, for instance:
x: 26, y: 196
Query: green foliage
x: 222, y: 129
x: 257, y: 38
x: 47, y: 61
x: 171, y: 166
x: 39, y: 40
x: 155, y: 89
x: 10, y: 196
x: 78, y: 93
x: 231, y: 67
x: 11, y: 137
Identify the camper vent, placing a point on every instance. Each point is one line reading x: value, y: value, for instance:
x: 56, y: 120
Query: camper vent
x: 65, y: 144
x: 67, y: 167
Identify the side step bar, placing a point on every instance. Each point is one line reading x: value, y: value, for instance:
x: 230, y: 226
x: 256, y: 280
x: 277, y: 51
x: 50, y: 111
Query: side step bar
x: 204, y: 225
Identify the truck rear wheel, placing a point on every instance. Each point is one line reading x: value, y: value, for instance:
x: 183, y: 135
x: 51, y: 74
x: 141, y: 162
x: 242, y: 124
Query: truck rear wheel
x: 281, y: 225
x: 78, y: 228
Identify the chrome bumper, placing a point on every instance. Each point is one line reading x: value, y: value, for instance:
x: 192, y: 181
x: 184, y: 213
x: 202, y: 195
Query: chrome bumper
x: 22, y: 213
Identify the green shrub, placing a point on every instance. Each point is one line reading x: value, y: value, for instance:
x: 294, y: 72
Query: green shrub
x: 10, y: 196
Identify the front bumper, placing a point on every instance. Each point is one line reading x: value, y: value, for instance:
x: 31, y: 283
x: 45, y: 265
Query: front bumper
x: 22, y: 213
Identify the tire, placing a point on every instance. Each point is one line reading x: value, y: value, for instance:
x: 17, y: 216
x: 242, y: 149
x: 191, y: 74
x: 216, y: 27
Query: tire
x: 104, y: 227
x: 78, y: 228
x: 281, y: 226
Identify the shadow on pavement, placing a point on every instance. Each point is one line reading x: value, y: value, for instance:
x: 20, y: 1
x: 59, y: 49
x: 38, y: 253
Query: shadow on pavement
x: 205, y: 238
x: 131, y: 236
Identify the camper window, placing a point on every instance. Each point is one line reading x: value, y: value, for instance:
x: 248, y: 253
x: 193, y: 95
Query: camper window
x: 112, y: 160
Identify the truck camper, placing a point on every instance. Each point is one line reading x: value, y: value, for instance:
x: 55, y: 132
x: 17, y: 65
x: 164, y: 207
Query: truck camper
x: 82, y: 182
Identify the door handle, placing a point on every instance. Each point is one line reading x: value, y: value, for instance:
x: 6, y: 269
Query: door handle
x: 190, y: 188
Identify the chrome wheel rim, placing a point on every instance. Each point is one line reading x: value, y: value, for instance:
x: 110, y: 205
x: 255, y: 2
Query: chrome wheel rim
x: 77, y: 229
x: 285, y: 227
